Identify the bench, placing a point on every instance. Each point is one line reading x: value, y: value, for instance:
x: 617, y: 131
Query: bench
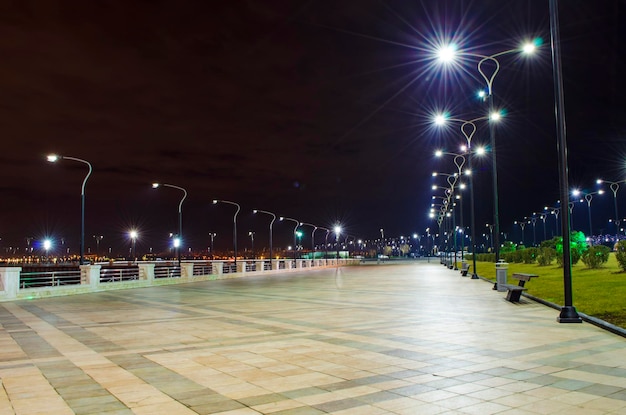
x: 465, y: 269
x: 515, y: 291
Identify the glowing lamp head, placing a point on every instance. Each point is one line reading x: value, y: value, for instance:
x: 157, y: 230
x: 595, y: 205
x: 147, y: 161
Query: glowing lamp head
x: 434, y: 187
x: 133, y: 234
x: 495, y: 116
x: 47, y: 244
x: 215, y: 201
x: 576, y: 192
x: 255, y: 211
x: 481, y: 93
x: 438, y: 153
x: 337, y: 229
x: 52, y: 158
x: 155, y: 185
x: 481, y: 151
x: 599, y: 181
x: 176, y: 242
x: 282, y: 218
x: 440, y: 119
x: 446, y: 53
x: 435, y: 174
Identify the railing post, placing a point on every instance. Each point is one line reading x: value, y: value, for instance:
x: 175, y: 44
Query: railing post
x: 260, y: 265
x: 299, y: 263
x: 10, y: 280
x: 241, y: 266
x: 276, y: 264
x: 217, y: 267
x: 186, y: 270
x: 90, y: 275
x: 146, y: 272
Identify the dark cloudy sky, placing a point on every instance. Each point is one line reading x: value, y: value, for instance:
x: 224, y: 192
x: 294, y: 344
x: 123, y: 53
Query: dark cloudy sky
x: 316, y: 110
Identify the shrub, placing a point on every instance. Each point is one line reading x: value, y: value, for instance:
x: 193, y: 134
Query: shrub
x: 595, y: 256
x: 529, y: 255
x: 546, y: 255
x: 578, y: 245
x: 620, y: 254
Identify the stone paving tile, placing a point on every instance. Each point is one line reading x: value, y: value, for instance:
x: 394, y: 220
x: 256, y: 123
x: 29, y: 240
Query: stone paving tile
x: 387, y: 340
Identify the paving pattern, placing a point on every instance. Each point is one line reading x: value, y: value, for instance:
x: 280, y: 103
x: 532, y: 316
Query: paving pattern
x: 411, y: 339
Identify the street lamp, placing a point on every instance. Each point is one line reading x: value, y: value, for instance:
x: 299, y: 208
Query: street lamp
x: 255, y: 211
x: 588, y: 197
x: 337, y: 230
x: 568, y: 312
x: 216, y: 201
x: 180, y: 214
x: 312, y: 236
x: 325, y: 240
x: 468, y: 129
x: 98, y: 239
x: 295, y: 234
x: 133, y: 237
x: 53, y: 158
x: 212, y: 235
x: 614, y: 188
x: 251, y: 235
x: 47, y: 244
x: 448, y: 54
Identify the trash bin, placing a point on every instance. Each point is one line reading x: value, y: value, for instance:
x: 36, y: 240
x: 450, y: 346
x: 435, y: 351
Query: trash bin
x: 501, y: 268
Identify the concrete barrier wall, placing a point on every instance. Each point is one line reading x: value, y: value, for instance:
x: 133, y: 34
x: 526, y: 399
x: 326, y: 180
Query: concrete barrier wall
x: 90, y: 277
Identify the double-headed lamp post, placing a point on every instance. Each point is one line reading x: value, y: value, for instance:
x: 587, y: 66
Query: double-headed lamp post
x: 448, y: 54
x: 265, y: 212
x: 238, y: 208
x: 180, y: 214
x: 295, y: 233
x: 614, y: 186
x: 54, y: 158
x: 588, y: 197
x: 468, y: 129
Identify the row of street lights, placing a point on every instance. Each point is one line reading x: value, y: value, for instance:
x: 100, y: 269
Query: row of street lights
x: 488, y: 68
x: 178, y: 240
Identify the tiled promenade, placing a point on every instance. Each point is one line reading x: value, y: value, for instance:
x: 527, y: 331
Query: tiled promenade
x: 367, y: 340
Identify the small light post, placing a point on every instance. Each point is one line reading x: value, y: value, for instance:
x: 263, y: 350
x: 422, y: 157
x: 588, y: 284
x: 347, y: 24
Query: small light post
x: 251, y: 235
x: 337, y: 230
x: 614, y: 186
x: 53, y: 158
x: 295, y: 233
x: 133, y: 237
x: 180, y: 214
x: 238, y: 208
x: 588, y: 197
x: 212, y: 235
x: 255, y: 211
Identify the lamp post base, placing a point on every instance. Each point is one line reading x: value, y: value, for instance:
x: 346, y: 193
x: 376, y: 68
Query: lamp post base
x: 569, y: 315
x: 474, y: 277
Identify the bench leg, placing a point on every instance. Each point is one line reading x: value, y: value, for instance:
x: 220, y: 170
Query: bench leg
x: 514, y: 296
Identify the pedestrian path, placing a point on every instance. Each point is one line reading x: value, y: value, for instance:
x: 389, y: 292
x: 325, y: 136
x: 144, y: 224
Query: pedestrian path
x: 415, y: 338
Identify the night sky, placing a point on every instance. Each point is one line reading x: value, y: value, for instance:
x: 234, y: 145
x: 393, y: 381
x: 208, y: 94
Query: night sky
x: 315, y: 110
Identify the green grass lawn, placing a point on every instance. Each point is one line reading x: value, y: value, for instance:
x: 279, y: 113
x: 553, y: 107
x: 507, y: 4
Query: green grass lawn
x: 596, y: 292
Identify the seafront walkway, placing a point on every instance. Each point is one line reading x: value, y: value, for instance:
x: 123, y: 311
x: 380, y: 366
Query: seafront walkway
x: 412, y: 338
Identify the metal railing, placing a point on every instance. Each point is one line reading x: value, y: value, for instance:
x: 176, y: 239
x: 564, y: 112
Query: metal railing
x: 167, y: 271
x: 120, y: 273
x: 202, y: 268
x: 38, y: 279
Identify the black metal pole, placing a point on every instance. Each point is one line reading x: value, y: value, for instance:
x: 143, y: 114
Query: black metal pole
x: 495, y: 239
x: 568, y: 312
x: 472, y: 214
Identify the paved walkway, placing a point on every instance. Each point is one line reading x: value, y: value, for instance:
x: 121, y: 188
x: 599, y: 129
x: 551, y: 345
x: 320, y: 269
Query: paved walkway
x: 368, y: 340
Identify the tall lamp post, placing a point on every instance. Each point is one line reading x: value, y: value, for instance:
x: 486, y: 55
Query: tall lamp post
x: 568, y: 311
x: 53, y: 158
x: 133, y: 238
x: 98, y: 239
x: 265, y: 212
x: 588, y: 197
x: 337, y: 230
x: 614, y: 188
x: 295, y: 233
x: 251, y: 235
x: 238, y: 208
x: 325, y: 240
x: 180, y: 214
x: 468, y: 129
x: 312, y: 237
x: 212, y: 235
x: 447, y: 54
